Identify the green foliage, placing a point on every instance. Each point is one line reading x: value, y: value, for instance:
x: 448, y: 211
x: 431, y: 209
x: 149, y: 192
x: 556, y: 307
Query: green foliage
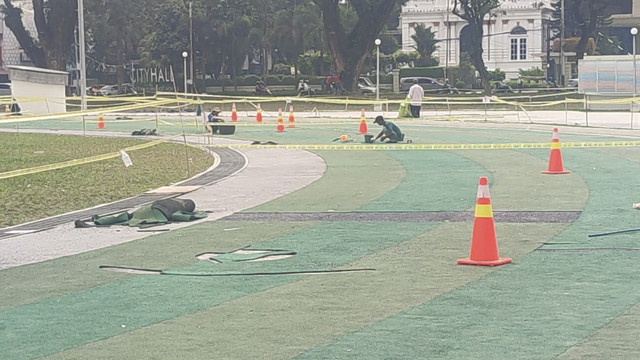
x: 282, y: 69
x: 386, y: 78
x: 249, y: 80
x: 425, y: 41
x: 351, y: 44
x: 279, y: 80
x: 431, y: 61
x: 388, y: 45
x: 287, y: 80
x: 497, y: 75
x: 578, y: 17
x: 607, y: 44
x: 534, y: 71
x: 464, y: 72
x: 474, y: 12
x: 401, y: 59
x: 313, y: 80
x: 310, y: 63
x: 584, y: 20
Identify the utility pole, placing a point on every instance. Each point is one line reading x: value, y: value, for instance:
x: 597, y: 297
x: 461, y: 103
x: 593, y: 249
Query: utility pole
x: 561, y: 44
x: 193, y: 82
x: 448, y: 49
x: 83, y: 66
x: 548, y: 41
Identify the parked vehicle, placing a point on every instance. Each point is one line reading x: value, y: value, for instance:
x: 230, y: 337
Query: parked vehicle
x: 429, y: 85
x: 573, y: 83
x: 123, y: 89
x: 365, y: 86
x: 5, y: 89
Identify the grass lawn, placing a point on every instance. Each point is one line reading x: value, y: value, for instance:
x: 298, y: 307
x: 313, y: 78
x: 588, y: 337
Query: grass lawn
x: 47, y: 193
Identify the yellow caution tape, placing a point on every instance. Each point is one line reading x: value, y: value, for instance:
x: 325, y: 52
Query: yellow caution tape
x: 399, y: 146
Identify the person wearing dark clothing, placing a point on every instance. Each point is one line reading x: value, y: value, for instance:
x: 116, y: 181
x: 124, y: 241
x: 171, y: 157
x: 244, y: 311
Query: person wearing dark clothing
x: 213, y: 118
x: 389, y: 131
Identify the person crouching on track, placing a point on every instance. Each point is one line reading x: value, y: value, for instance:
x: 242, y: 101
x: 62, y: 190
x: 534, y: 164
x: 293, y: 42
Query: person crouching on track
x: 389, y: 131
x: 213, y: 118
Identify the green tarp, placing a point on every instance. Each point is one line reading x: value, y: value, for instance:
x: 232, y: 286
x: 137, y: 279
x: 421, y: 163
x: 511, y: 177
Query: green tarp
x: 156, y: 213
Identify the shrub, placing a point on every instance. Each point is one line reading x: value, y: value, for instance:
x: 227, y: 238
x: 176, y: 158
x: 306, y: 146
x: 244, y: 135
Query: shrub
x: 534, y: 71
x: 497, y: 75
x: 272, y: 80
x: 401, y: 57
x: 282, y: 69
x: 288, y: 80
x: 219, y: 82
x: 386, y: 78
x: 249, y: 80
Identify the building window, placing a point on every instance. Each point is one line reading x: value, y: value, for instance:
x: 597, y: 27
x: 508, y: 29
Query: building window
x: 518, y: 43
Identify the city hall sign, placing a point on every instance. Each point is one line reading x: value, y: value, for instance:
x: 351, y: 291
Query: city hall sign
x: 151, y: 75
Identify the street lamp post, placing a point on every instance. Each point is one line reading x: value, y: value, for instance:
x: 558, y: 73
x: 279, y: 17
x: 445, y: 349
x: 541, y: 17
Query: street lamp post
x: 191, y: 46
x: 184, y: 56
x: 83, y: 66
x: 634, y: 32
x: 378, y: 42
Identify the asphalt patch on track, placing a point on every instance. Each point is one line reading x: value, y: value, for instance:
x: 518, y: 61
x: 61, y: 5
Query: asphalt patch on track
x: 409, y: 216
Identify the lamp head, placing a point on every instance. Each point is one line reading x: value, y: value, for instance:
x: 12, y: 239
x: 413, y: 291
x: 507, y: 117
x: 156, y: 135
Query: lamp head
x: 634, y: 31
x: 185, y: 54
x: 378, y: 42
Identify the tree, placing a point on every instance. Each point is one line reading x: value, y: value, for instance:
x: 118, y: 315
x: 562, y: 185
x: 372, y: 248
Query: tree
x: 425, y: 39
x: 298, y: 28
x: 114, y: 31
x: 55, y: 22
x: 351, y: 47
x: 583, y: 19
x: 474, y: 11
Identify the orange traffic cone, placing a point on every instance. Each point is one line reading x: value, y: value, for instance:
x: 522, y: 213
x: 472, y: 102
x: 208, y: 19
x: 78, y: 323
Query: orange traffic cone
x: 484, y: 246
x: 363, y: 123
x: 280, y: 127
x: 555, y: 157
x: 7, y: 111
x: 234, y: 115
x: 259, y: 115
x: 292, y: 120
x: 100, y: 121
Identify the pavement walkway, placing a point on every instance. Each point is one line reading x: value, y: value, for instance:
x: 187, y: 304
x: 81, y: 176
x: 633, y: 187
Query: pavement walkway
x: 276, y: 171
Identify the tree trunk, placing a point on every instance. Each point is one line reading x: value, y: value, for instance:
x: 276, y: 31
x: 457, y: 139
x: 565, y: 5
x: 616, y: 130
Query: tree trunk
x: 476, y: 56
x: 351, y: 50
x: 587, y: 29
x: 55, y: 23
x: 13, y: 19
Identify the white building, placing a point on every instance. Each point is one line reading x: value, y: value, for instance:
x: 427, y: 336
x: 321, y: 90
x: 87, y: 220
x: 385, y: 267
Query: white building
x: 515, y: 35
